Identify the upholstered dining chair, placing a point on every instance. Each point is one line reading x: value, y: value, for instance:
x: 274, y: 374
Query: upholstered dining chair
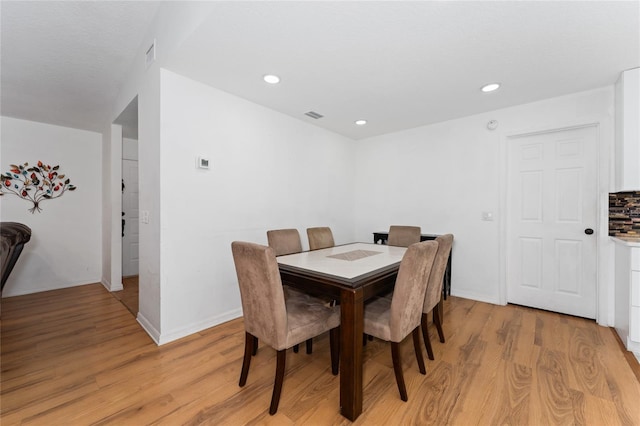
x: 434, y: 291
x: 283, y: 242
x: 319, y: 238
x: 279, y: 323
x: 403, y: 236
x: 394, y: 319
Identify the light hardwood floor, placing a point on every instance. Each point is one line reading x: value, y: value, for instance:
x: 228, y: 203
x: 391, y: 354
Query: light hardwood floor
x: 129, y: 295
x: 77, y: 357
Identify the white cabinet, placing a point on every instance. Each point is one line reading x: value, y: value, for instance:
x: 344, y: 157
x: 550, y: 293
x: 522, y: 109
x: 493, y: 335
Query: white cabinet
x: 627, y: 294
x: 628, y: 131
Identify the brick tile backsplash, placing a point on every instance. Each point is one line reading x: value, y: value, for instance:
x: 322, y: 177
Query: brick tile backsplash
x: 624, y: 214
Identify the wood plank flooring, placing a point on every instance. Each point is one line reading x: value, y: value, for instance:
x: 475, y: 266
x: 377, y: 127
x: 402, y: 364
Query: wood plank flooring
x: 78, y: 357
x: 128, y: 296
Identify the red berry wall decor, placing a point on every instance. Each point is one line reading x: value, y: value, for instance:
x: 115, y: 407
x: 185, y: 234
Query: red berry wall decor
x: 35, y: 184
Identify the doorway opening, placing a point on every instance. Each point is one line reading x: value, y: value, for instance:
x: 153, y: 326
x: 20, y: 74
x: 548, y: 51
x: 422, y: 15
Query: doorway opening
x: 128, y: 119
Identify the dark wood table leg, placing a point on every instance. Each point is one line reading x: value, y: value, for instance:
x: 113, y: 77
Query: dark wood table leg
x: 446, y: 280
x: 352, y: 329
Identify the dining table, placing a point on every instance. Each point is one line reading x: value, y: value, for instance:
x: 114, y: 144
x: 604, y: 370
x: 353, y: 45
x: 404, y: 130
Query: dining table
x: 351, y: 274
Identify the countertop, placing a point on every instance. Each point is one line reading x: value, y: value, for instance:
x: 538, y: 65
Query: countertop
x: 627, y: 241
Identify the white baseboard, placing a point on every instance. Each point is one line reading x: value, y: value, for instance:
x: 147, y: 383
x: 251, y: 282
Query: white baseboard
x: 162, y: 338
x: 633, y: 347
x: 110, y: 287
x: 475, y: 296
x: 150, y: 329
x: 11, y: 291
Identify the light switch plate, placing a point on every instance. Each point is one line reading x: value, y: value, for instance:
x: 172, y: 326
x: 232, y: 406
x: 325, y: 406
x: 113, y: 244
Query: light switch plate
x: 488, y: 216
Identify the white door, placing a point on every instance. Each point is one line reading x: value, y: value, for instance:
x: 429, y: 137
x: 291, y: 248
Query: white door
x: 130, y: 218
x: 552, y: 208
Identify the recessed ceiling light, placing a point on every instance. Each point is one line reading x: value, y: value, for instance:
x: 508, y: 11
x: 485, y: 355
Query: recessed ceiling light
x: 271, y: 79
x: 490, y: 87
x: 361, y: 122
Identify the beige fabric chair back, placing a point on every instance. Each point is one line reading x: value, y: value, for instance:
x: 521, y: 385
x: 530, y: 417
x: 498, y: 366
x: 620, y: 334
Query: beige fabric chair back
x: 320, y: 238
x: 403, y: 236
x: 411, y: 285
x: 434, y: 288
x: 284, y: 241
x: 263, y: 305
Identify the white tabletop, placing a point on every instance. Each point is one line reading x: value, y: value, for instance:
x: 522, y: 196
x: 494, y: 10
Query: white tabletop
x: 357, y: 259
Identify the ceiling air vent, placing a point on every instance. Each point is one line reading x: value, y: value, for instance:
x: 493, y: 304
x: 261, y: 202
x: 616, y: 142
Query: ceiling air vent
x: 150, y: 56
x: 313, y: 114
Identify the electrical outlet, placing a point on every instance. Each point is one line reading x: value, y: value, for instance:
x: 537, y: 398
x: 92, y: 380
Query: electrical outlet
x: 144, y: 216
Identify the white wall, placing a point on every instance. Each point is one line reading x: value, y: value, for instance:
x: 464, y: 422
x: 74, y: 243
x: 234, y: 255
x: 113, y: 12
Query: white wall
x: 149, y: 270
x: 173, y: 22
x: 106, y: 209
x: 443, y: 176
x: 457, y: 164
x: 65, y: 247
x: 267, y: 171
x: 129, y: 149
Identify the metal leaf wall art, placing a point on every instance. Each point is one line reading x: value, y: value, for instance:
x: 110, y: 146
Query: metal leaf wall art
x: 35, y: 184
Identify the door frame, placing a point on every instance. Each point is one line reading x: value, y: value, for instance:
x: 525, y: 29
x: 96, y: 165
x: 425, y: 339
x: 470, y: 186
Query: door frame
x: 604, y: 287
x: 128, y: 218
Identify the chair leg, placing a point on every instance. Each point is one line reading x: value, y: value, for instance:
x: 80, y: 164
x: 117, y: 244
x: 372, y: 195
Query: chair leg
x: 309, y: 346
x: 296, y: 348
x: 277, y: 385
x: 397, y: 368
x: 255, y: 345
x: 416, y: 348
x: 437, y: 315
x: 248, y: 350
x: 334, y: 345
x: 425, y: 335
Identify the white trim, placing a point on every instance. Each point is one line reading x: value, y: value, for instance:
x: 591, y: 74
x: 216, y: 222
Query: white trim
x: 633, y: 347
x: 196, y: 327
x: 149, y: 328
x: 116, y: 204
x: 478, y: 297
x: 110, y: 287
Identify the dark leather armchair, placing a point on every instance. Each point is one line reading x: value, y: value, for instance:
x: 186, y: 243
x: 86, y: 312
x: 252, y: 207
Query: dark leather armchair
x: 13, y: 237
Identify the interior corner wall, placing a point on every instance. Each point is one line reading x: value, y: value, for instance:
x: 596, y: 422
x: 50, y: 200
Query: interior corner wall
x: 442, y: 177
x: 266, y: 171
x: 115, y: 201
x: 65, y: 248
x: 149, y: 177
x: 106, y: 208
x: 173, y: 22
x: 129, y: 149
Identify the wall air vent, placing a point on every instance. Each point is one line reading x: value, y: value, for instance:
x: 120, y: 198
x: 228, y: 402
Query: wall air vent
x: 313, y: 114
x: 150, y: 56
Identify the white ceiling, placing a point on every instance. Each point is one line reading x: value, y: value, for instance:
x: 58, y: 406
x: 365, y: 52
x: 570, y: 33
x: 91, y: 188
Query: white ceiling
x: 63, y: 62
x: 397, y: 64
